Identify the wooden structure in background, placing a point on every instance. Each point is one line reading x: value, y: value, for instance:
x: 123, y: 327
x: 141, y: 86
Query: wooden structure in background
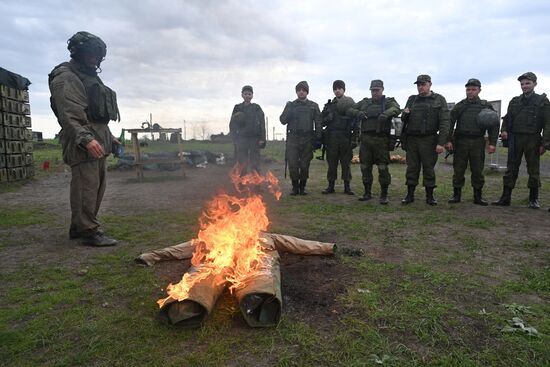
x: 137, y: 154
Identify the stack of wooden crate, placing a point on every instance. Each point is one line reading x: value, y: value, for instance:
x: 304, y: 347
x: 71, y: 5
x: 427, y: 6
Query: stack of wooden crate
x: 16, y: 148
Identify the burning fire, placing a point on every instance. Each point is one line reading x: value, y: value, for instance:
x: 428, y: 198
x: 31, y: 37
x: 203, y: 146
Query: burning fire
x: 228, y: 241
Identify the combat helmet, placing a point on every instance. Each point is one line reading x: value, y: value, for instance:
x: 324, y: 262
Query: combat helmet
x: 487, y: 119
x: 84, y: 43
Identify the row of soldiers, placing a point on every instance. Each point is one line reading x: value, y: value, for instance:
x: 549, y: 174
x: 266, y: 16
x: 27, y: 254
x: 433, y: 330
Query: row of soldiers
x: 429, y: 129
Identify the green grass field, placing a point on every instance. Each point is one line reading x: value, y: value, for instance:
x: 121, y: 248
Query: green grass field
x: 435, y: 287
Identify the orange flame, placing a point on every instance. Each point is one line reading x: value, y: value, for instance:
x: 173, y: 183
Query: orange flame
x: 228, y: 241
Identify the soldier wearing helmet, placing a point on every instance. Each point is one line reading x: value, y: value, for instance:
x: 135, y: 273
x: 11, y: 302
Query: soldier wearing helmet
x: 527, y: 118
x: 472, y: 117
x: 84, y: 106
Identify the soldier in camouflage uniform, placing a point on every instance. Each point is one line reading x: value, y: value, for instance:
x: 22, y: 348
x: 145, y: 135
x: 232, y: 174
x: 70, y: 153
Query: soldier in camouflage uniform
x: 247, y: 128
x: 341, y: 137
x: 528, y: 115
x: 84, y: 106
x: 425, y: 125
x: 376, y: 115
x: 467, y: 141
x: 303, y: 120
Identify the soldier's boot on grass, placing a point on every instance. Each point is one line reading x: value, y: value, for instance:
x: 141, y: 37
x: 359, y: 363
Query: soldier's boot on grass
x: 329, y: 189
x: 478, y: 198
x: 303, y: 187
x: 367, y: 195
x: 505, y: 198
x: 295, y: 188
x: 384, y: 195
x: 410, y: 195
x: 430, y: 199
x: 534, y: 198
x: 73, y: 234
x: 347, y: 188
x: 457, y: 196
x: 98, y: 240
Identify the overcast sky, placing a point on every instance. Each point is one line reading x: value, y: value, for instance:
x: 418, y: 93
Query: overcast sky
x: 187, y: 60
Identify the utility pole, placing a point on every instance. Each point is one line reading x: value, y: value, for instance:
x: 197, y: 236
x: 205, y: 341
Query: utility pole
x: 184, y: 131
x: 267, y: 128
x: 273, y: 133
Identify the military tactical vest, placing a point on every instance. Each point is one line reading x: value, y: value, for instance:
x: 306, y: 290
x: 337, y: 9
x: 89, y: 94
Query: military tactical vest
x: 252, y: 125
x: 466, y: 123
x: 424, y: 116
x: 371, y: 125
x: 302, y: 119
x: 102, y: 103
x: 525, y: 115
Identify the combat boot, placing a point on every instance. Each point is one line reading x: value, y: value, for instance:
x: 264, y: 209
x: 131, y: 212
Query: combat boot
x: 303, y: 187
x: 329, y: 189
x: 457, y: 195
x: 410, y: 195
x: 505, y: 198
x: 384, y: 195
x: 430, y: 200
x: 367, y: 195
x: 347, y: 188
x: 295, y: 189
x: 534, y: 198
x: 478, y: 198
x: 98, y: 240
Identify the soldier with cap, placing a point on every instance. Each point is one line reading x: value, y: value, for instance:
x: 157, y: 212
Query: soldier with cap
x: 247, y: 129
x: 84, y: 106
x: 303, y: 134
x: 473, y: 117
x: 527, y: 117
x: 376, y: 115
x: 341, y: 137
x: 425, y: 129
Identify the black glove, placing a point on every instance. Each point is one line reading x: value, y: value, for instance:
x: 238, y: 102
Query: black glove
x: 261, y: 144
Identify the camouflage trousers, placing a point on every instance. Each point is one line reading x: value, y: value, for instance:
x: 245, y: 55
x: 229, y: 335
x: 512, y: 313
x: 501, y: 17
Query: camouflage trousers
x: 421, y: 155
x: 374, y: 150
x: 520, y: 145
x: 247, y: 154
x: 299, y: 153
x: 469, y: 150
x: 88, y: 182
x: 339, y: 150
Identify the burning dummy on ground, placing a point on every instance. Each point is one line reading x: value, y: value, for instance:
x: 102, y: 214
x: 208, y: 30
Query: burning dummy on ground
x: 232, y: 250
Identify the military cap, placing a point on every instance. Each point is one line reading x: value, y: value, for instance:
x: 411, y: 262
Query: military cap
x: 528, y: 75
x: 376, y: 84
x: 248, y: 88
x: 423, y: 78
x: 338, y: 84
x: 473, y: 82
x: 302, y: 85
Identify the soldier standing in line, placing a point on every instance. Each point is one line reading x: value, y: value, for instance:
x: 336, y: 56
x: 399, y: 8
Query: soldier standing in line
x: 473, y: 117
x: 341, y: 137
x: 376, y: 115
x: 425, y: 125
x: 247, y: 129
x: 84, y: 106
x: 528, y: 115
x: 303, y: 120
